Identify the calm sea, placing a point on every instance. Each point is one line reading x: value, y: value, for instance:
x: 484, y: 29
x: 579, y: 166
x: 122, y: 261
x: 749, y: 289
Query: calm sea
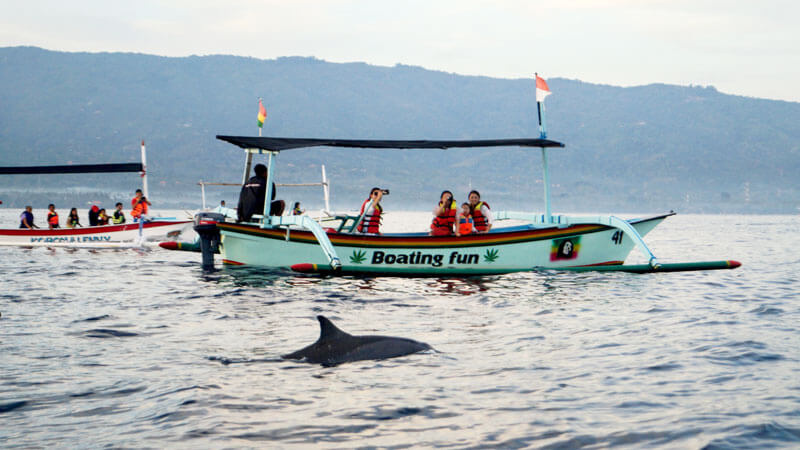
x: 141, y: 348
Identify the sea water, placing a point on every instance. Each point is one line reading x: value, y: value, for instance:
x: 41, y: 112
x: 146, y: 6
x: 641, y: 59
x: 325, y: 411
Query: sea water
x: 141, y: 348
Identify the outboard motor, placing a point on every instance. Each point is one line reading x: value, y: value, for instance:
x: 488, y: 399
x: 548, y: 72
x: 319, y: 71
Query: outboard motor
x: 205, y: 225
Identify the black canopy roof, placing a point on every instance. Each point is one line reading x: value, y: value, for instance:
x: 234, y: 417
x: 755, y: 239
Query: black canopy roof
x: 279, y: 143
x: 72, y: 168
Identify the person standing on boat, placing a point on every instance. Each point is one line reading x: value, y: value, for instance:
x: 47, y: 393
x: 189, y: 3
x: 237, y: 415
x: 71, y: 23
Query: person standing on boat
x: 72, y: 219
x: 371, y: 222
x: 481, y: 214
x: 138, y: 198
x: 52, y: 217
x: 119, y: 216
x: 444, y: 221
x: 139, y: 211
x: 26, y: 218
x: 253, y: 194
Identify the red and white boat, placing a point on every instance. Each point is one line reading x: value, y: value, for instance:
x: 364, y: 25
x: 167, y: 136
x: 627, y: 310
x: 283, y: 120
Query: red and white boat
x: 122, y: 235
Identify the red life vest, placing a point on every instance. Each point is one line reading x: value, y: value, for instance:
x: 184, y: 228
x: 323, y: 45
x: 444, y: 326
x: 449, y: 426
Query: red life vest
x: 481, y: 224
x: 443, y: 224
x: 52, y: 219
x: 465, y: 225
x: 371, y: 222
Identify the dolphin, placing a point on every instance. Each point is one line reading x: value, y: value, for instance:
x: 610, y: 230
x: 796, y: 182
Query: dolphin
x: 334, y: 347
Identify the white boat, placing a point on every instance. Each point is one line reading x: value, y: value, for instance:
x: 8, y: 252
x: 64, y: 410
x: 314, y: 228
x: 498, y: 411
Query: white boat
x: 545, y: 241
x: 121, y: 235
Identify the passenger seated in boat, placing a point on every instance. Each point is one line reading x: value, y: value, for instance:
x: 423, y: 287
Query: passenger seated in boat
x: 371, y: 222
x: 93, y: 215
x: 444, y: 220
x: 296, y: 211
x: 465, y: 219
x: 26, y: 219
x: 52, y: 217
x: 481, y: 215
x: 102, y: 217
x: 72, y: 218
x: 119, y: 216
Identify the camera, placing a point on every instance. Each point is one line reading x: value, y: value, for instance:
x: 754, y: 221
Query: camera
x: 385, y: 191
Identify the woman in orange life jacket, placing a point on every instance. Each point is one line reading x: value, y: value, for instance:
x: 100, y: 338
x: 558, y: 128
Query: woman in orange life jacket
x: 444, y: 219
x: 52, y: 216
x: 372, y: 219
x: 465, y: 221
x: 481, y: 214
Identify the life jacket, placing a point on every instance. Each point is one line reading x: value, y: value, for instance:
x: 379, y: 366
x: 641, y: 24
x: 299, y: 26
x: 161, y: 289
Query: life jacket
x: 52, y: 219
x: 443, y: 224
x: 297, y: 211
x: 481, y: 224
x: 465, y: 225
x: 102, y: 219
x: 119, y: 217
x: 72, y: 221
x: 139, y: 209
x: 371, y: 222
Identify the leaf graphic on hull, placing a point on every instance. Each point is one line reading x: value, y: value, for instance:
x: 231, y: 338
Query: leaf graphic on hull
x: 358, y: 257
x: 491, y: 255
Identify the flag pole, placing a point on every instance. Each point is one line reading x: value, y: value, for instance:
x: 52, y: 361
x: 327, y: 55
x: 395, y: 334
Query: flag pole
x: 548, y: 218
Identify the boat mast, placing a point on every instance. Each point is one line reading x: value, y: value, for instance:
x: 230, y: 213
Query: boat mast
x: 144, y: 171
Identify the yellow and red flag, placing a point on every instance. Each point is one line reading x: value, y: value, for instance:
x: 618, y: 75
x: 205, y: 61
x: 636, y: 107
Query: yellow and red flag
x: 262, y: 114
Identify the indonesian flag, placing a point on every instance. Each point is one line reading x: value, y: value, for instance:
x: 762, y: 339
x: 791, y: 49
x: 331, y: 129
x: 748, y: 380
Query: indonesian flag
x: 542, y: 90
x: 262, y: 114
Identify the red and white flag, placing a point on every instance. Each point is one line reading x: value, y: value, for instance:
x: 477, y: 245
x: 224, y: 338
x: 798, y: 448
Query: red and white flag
x: 542, y: 90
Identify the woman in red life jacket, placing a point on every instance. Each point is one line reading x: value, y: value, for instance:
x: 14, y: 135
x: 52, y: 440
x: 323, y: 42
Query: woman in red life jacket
x: 465, y: 222
x: 444, y: 220
x: 481, y: 214
x: 52, y: 216
x: 372, y: 219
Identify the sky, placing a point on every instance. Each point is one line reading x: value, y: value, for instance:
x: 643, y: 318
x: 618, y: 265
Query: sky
x: 740, y: 47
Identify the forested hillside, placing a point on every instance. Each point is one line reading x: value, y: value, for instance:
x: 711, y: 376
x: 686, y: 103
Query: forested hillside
x: 645, y: 149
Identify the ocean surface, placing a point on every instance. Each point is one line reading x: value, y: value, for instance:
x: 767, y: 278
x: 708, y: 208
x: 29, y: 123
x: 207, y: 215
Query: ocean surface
x: 141, y: 348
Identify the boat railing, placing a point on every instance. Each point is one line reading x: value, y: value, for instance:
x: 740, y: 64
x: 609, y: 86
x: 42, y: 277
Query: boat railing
x: 563, y: 221
x: 307, y: 223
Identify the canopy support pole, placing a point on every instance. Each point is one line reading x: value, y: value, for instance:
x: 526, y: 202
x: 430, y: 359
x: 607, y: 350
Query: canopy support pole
x: 546, y: 182
x: 267, y: 220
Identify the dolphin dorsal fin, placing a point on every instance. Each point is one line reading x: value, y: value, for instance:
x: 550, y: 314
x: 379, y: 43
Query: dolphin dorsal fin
x: 327, y: 330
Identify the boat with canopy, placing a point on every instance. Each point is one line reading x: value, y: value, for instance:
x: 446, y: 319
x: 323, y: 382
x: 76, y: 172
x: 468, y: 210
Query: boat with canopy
x: 544, y: 241
x: 101, y: 236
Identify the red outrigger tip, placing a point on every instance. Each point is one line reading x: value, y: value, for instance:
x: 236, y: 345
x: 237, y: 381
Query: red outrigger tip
x: 169, y: 245
x: 734, y: 264
x: 305, y: 268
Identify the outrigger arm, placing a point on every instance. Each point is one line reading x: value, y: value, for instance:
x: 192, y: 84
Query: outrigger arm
x: 565, y: 221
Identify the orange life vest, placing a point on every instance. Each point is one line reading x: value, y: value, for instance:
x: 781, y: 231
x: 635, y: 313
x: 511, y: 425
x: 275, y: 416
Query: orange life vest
x: 443, y: 224
x: 465, y: 225
x: 52, y: 219
x: 481, y: 224
x: 139, y: 209
x: 371, y: 222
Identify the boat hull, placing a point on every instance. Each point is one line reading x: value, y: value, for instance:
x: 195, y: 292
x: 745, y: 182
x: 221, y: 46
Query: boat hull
x: 501, y: 251
x: 92, y: 236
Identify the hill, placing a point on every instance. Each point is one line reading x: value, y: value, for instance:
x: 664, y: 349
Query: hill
x: 648, y: 148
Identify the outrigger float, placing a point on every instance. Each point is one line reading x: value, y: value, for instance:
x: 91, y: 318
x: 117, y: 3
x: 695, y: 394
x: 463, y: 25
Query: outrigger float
x: 545, y: 241
x: 132, y: 234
